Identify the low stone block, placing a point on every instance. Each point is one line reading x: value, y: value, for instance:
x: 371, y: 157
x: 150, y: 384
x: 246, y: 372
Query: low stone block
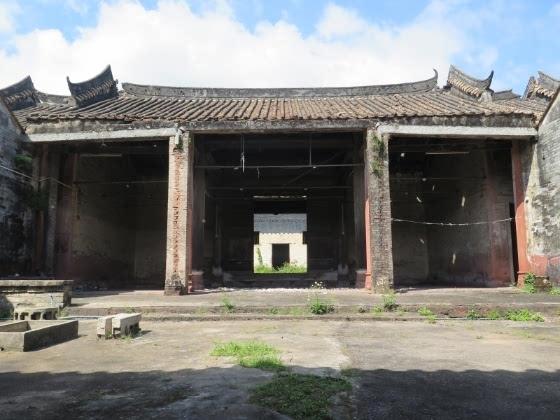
x: 105, y: 326
x: 32, y: 335
x: 126, y: 324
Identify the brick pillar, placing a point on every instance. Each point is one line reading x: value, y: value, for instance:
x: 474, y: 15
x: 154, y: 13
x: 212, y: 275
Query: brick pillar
x: 50, y: 228
x: 179, y: 217
x: 379, y: 252
x: 520, y: 223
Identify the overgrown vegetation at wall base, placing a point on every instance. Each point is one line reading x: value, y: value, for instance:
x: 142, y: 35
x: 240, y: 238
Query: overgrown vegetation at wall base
x: 286, y: 268
x: 250, y: 354
x: 529, y: 283
x: 523, y: 315
x: 299, y: 396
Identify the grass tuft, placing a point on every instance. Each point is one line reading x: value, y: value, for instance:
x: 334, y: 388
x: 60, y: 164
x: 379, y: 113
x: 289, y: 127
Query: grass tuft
x: 555, y: 291
x: 250, y: 354
x: 299, y: 396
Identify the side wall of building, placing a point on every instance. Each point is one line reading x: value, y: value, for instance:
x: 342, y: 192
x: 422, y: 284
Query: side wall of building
x: 542, y: 197
x: 15, y: 196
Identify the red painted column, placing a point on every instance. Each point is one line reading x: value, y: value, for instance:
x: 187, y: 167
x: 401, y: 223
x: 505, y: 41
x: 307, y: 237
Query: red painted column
x: 520, y: 223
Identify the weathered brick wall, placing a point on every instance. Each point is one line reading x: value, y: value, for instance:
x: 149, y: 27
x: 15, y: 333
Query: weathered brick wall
x: 15, y: 212
x: 542, y: 197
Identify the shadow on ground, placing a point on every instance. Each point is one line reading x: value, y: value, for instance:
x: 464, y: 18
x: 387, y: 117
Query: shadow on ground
x: 219, y: 393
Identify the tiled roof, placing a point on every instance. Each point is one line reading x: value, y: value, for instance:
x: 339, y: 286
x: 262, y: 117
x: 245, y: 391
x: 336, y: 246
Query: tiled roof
x: 98, y: 100
x: 129, y: 108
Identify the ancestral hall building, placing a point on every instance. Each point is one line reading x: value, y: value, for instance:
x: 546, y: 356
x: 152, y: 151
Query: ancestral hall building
x: 158, y: 187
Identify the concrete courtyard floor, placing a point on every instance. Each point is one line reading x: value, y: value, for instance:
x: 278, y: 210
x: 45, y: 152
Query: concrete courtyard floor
x: 441, y: 300
x: 449, y: 369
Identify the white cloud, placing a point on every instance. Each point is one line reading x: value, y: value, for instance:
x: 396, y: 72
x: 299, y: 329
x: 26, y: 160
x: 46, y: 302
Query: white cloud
x: 8, y: 12
x: 173, y: 45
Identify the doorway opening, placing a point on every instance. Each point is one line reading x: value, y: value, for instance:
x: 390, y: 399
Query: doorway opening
x: 451, y: 212
x: 280, y: 246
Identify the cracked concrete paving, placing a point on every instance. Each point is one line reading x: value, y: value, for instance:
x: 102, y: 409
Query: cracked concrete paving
x: 451, y: 369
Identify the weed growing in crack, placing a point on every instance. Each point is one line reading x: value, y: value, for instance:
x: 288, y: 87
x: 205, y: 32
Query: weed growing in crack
x: 428, y: 314
x: 473, y: 314
x: 319, y: 305
x: 390, y: 302
x: 227, y: 305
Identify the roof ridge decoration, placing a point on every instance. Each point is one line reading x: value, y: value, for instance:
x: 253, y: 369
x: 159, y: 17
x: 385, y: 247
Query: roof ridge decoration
x: 505, y: 95
x: 101, y: 87
x: 20, y: 95
x: 319, y: 92
x: 544, y: 87
x: 467, y: 86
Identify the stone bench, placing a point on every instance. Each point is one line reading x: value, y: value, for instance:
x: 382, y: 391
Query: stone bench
x: 26, y: 313
x: 118, y: 325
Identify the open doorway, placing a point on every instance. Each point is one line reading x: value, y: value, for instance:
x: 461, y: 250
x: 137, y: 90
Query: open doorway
x: 450, y: 204
x: 280, y: 246
x: 265, y: 191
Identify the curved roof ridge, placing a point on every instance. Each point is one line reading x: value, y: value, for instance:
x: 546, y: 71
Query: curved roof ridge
x: 466, y: 84
x: 543, y: 87
x: 21, y: 94
x: 100, y: 87
x: 310, y: 92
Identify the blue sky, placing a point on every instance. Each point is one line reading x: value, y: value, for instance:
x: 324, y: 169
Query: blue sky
x: 277, y: 43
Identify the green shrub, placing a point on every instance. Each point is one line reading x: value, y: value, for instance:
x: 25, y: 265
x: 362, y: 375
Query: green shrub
x: 555, y: 291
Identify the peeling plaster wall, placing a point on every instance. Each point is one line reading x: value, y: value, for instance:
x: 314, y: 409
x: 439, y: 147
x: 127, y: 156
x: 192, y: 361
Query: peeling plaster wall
x: 15, y: 215
x: 542, y: 197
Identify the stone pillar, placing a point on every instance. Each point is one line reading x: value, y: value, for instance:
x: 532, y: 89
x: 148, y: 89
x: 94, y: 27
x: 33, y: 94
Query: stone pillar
x: 378, y: 203
x: 520, y: 223
x: 179, y: 215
